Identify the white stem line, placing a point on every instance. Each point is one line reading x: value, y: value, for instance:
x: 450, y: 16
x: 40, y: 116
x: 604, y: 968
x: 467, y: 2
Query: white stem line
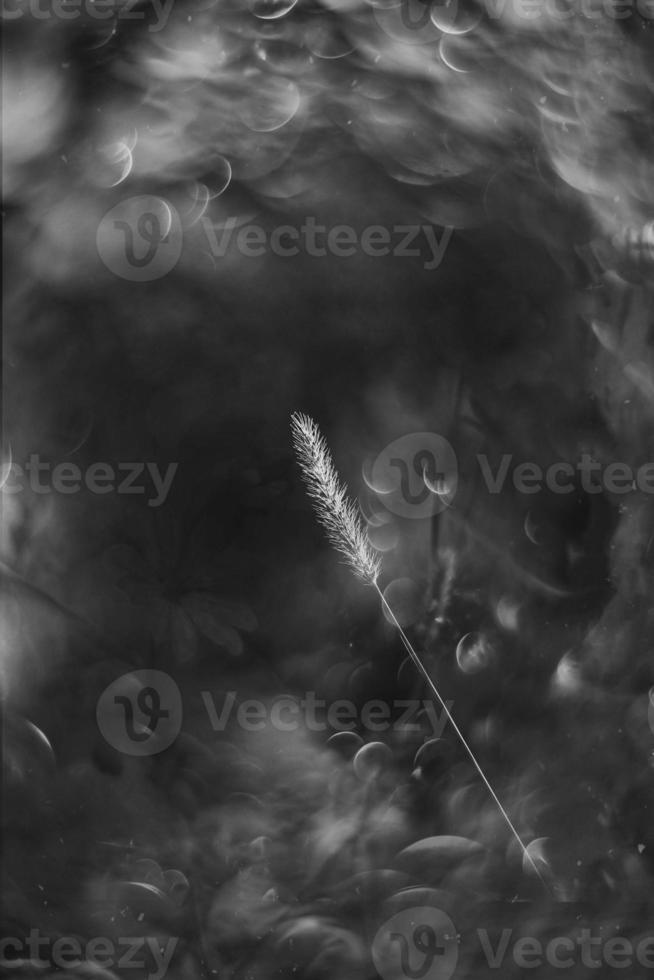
x: 432, y: 687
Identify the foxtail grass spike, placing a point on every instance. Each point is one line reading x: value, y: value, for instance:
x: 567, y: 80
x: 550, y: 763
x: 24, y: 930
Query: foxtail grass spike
x: 338, y: 514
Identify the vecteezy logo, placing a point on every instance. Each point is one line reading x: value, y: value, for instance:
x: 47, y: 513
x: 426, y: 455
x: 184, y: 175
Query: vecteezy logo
x: 140, y: 239
x: 416, y: 475
x: 416, y: 944
x: 140, y: 713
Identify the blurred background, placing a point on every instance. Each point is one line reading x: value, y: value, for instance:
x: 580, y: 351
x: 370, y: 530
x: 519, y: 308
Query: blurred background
x: 522, y: 134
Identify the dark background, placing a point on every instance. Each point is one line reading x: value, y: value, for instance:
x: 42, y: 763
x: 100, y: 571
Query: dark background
x: 533, y: 337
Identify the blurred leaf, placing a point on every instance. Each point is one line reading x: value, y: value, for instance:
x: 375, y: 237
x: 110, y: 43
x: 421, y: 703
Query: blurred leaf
x: 235, y: 614
x: 432, y: 857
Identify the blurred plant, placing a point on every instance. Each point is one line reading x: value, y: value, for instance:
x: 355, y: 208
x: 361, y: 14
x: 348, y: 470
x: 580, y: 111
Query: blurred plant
x: 345, y: 531
x: 169, y: 581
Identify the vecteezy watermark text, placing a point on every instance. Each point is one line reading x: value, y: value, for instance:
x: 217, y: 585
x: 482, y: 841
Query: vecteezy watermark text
x: 44, y: 477
x: 584, y: 948
x: 462, y: 16
x: 93, y: 10
x: 140, y: 239
x: 68, y: 952
x: 423, y: 942
x: 288, y: 714
x: 317, y: 240
x: 590, y: 474
x: 417, y: 475
x: 140, y: 713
